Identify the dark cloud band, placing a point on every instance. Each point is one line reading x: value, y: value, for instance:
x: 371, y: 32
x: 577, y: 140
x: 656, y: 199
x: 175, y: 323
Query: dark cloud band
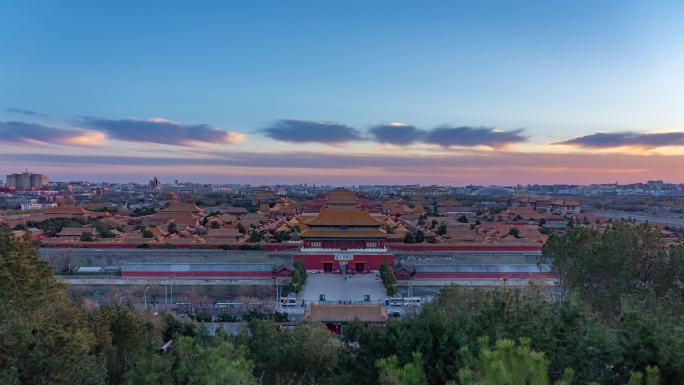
x: 33, y: 133
x: 161, y: 131
x: 626, y: 139
x: 304, y: 131
x: 473, y: 136
x: 22, y: 111
x: 399, y: 134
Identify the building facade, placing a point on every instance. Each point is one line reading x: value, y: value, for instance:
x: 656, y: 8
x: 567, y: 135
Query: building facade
x: 342, y: 231
x: 26, y: 181
x: 344, y: 242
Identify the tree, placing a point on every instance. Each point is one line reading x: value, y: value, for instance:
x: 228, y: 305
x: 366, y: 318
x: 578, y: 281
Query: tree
x: 122, y: 338
x: 433, y: 224
x: 303, y: 355
x: 568, y: 332
x: 43, y: 336
x: 283, y: 236
x: 507, y: 364
x: 388, y: 278
x: 409, y: 238
x: 625, y: 259
x: 241, y: 228
x: 512, y: 364
x: 103, y: 230
x: 255, y: 237
x: 514, y: 232
x: 195, y: 362
x: 463, y: 219
x: 86, y: 236
x: 147, y: 233
x: 298, y: 276
x: 172, y: 228
x: 412, y: 373
x: 442, y: 229
x: 420, y: 236
x: 214, y: 225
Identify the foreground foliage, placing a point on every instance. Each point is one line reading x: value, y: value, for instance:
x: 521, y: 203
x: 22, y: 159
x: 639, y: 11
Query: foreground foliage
x: 633, y: 333
x: 47, y: 338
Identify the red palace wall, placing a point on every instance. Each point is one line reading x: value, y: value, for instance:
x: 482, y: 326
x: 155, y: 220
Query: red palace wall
x: 198, y: 274
x: 369, y: 261
x: 474, y: 247
x: 486, y: 275
x: 95, y: 245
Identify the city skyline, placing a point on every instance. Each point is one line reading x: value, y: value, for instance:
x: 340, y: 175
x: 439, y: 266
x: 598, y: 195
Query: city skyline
x: 354, y: 93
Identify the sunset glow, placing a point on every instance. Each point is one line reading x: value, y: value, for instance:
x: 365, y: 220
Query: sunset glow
x: 449, y: 94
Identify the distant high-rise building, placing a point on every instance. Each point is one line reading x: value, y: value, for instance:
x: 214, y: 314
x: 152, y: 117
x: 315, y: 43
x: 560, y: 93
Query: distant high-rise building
x: 155, y: 183
x: 26, y: 180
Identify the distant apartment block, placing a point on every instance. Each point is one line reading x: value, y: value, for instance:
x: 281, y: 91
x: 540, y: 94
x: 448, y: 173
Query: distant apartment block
x: 26, y: 181
x: 37, y: 206
x: 154, y: 183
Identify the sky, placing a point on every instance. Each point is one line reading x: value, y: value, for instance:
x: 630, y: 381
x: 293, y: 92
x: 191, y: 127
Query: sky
x: 344, y: 92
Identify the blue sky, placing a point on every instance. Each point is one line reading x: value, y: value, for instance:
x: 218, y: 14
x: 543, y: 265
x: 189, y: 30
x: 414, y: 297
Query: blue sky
x: 555, y: 69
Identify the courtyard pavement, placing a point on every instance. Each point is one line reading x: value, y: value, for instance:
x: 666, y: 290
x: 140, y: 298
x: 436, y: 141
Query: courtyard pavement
x: 336, y: 288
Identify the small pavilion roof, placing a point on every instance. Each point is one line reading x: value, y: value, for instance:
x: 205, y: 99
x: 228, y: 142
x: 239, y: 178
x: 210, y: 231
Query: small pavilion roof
x: 345, y: 313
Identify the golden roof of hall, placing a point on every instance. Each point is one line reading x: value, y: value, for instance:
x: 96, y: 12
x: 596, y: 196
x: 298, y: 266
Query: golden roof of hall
x: 525, y: 212
x: 337, y: 233
x: 223, y: 218
x: 70, y: 211
x: 75, y: 231
x: 222, y: 233
x: 182, y: 217
x: 341, y: 196
x: 182, y: 207
x: 344, y: 218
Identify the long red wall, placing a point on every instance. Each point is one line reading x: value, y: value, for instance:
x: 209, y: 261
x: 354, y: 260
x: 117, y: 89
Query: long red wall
x: 203, y: 274
x: 284, y: 247
x: 95, y: 245
x: 486, y: 275
x: 477, y: 247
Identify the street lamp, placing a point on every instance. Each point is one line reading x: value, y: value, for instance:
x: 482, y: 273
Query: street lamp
x: 275, y: 289
x: 146, y: 289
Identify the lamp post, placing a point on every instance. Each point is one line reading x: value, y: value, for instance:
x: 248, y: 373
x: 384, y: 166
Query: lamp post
x: 275, y: 289
x: 145, y: 297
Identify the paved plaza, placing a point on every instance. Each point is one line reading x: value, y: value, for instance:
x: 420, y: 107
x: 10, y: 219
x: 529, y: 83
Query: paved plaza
x: 337, y: 288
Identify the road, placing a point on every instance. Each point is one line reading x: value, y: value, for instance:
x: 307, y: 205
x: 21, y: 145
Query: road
x: 660, y: 220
